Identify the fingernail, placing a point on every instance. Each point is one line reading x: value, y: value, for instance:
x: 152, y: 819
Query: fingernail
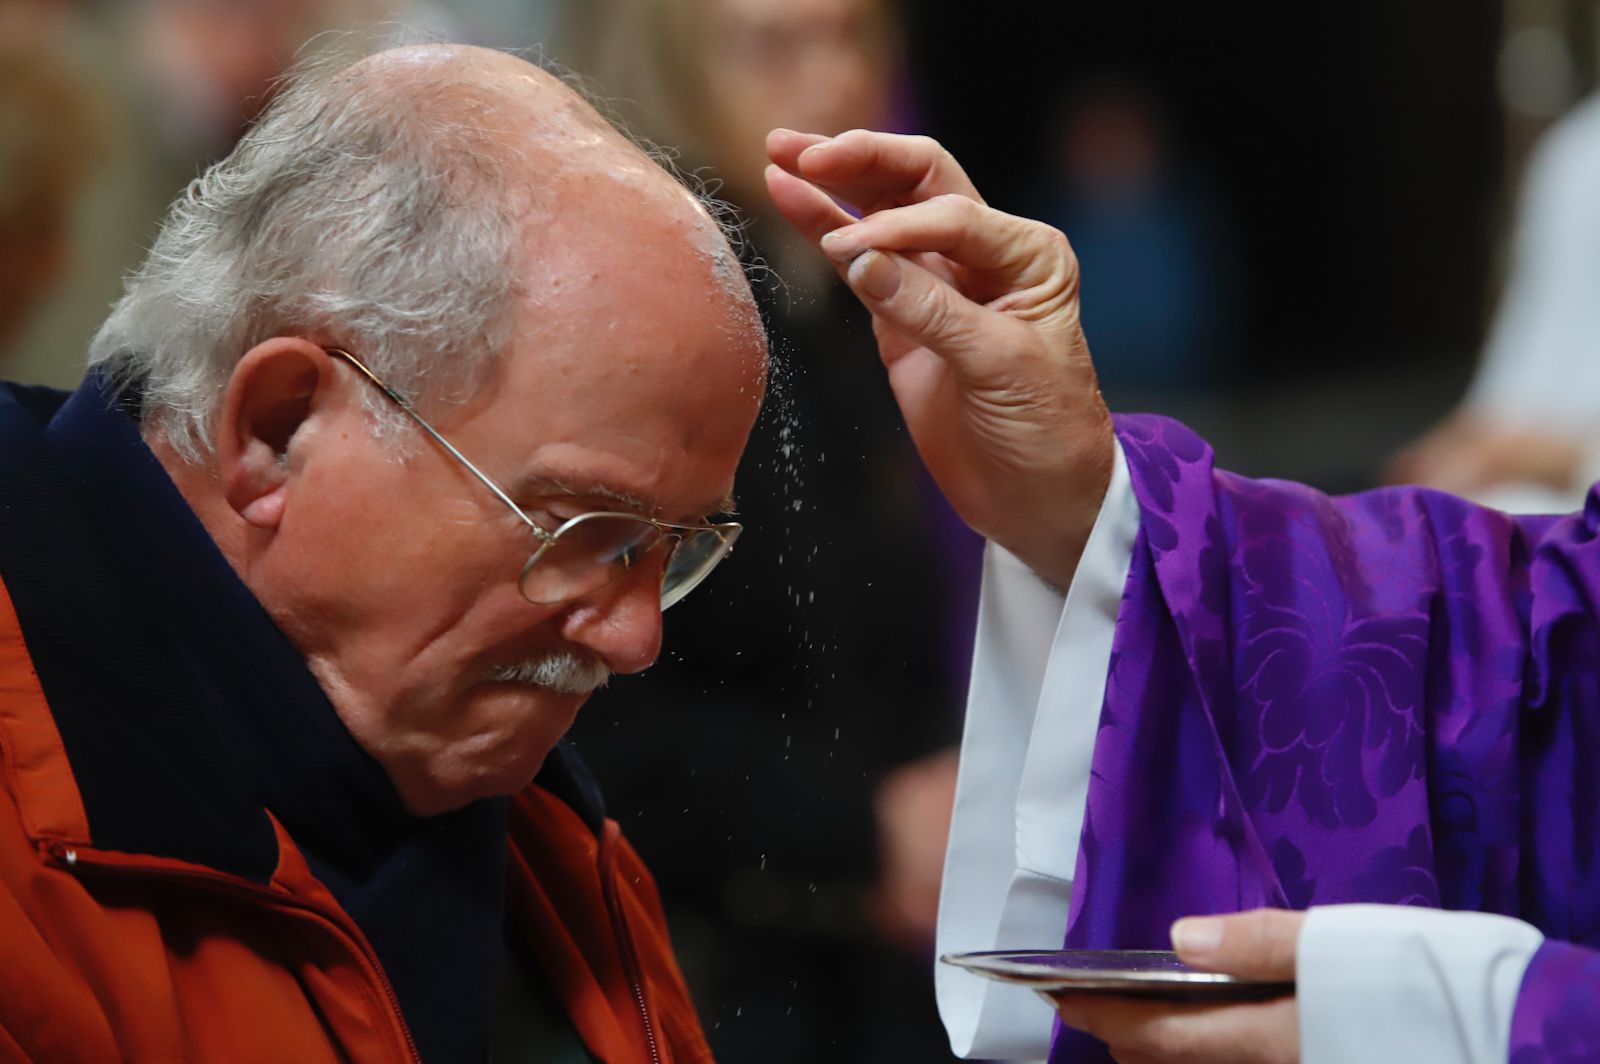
x: 1196, y: 938
x: 839, y: 246
x: 875, y: 275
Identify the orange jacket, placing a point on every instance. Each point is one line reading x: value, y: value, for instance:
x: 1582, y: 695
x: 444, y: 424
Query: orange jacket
x: 106, y: 955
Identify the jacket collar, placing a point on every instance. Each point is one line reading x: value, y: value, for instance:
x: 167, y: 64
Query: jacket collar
x: 184, y: 711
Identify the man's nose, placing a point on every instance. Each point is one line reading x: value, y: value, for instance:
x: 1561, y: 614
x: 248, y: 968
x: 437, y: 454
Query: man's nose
x: 621, y: 622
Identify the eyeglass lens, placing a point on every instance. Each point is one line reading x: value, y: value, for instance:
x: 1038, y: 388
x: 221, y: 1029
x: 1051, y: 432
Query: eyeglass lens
x: 590, y: 553
x: 696, y: 555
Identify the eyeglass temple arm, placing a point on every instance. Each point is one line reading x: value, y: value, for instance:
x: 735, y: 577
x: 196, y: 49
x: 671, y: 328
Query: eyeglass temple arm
x: 398, y: 400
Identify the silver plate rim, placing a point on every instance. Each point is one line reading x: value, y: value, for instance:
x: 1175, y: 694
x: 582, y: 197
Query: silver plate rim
x: 1000, y: 965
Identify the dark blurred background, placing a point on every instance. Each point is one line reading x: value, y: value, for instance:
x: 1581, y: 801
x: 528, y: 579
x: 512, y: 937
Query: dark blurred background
x: 1351, y: 162
x: 1295, y: 222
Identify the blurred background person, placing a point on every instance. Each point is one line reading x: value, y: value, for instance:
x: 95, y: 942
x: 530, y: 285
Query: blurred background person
x: 1151, y: 238
x: 52, y: 137
x: 177, y: 82
x: 785, y: 769
x: 1527, y: 436
x: 1351, y: 159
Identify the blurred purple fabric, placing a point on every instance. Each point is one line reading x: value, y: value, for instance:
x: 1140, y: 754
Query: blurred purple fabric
x: 1557, y: 1021
x: 1391, y: 697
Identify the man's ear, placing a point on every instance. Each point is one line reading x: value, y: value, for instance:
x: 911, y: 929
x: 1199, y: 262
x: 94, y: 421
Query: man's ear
x: 268, y: 399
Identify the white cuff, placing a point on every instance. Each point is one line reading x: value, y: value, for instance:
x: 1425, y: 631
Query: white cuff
x: 1038, y: 681
x: 1393, y: 982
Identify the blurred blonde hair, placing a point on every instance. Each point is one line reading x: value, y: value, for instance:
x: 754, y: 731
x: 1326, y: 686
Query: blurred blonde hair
x: 645, y: 58
x: 650, y: 59
x: 52, y: 128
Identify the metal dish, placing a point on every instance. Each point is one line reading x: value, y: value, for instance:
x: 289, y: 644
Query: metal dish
x: 1133, y: 972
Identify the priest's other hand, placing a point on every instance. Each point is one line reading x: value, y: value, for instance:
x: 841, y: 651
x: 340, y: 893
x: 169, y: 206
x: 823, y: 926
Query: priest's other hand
x: 1472, y: 452
x: 1259, y: 945
x: 913, y: 805
x: 976, y: 315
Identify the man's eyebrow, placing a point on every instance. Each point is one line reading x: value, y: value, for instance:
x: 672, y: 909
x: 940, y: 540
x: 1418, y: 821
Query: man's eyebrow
x: 535, y: 484
x: 538, y: 484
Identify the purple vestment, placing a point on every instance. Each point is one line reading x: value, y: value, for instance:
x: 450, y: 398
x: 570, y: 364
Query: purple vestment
x: 1392, y: 697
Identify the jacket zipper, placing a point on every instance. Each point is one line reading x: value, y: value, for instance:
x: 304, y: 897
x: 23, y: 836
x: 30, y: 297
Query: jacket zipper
x: 75, y: 860
x: 619, y: 927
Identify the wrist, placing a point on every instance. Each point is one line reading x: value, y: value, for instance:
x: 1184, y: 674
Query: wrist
x: 1053, y: 545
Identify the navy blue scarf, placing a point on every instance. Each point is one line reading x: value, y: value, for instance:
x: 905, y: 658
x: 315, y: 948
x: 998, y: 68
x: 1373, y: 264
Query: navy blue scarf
x: 186, y: 713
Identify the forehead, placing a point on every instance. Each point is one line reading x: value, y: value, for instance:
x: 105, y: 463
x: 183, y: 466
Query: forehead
x: 619, y: 245
x: 638, y: 359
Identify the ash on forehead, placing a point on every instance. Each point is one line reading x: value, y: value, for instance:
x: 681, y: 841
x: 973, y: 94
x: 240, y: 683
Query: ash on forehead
x: 712, y: 243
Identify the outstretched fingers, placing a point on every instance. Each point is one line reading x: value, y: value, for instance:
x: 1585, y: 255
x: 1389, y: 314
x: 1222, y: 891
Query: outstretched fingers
x: 872, y: 170
x: 925, y: 309
x: 805, y: 206
x: 785, y: 145
x: 1015, y: 252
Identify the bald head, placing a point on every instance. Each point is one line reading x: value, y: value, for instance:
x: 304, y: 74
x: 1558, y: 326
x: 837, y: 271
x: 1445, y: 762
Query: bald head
x: 574, y: 161
x: 408, y: 205
x: 516, y: 109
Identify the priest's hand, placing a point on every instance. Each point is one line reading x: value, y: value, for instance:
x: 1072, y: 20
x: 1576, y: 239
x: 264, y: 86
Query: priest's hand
x: 976, y: 314
x: 1258, y: 945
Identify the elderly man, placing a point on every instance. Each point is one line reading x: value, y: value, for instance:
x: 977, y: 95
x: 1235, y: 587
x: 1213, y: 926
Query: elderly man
x: 412, y: 422
x: 1196, y: 693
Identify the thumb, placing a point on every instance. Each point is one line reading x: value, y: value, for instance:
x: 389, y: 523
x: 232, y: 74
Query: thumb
x: 1253, y: 945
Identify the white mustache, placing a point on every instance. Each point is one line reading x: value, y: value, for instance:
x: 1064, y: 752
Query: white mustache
x: 563, y: 672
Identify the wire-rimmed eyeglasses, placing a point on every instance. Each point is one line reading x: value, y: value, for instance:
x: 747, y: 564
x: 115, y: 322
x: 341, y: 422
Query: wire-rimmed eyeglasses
x: 589, y: 551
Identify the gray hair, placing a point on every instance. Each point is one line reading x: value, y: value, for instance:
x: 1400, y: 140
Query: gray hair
x: 373, y: 217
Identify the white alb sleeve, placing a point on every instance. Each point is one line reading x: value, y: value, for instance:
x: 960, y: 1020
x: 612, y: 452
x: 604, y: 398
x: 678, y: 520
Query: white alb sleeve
x: 1392, y: 982
x: 1038, y: 680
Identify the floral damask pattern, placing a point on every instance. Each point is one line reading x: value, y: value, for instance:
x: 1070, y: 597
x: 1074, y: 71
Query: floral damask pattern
x: 1392, y: 697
